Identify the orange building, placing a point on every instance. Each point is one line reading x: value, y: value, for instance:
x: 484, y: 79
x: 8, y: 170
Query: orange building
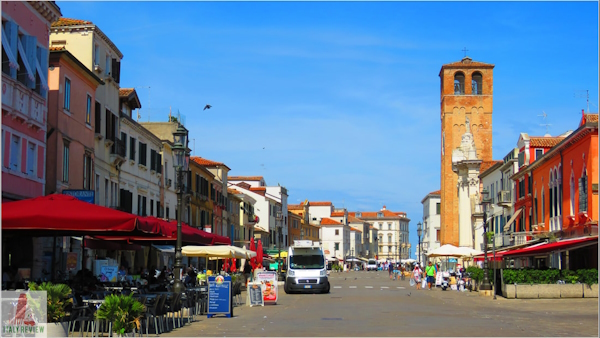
x: 466, y: 100
x: 558, y: 194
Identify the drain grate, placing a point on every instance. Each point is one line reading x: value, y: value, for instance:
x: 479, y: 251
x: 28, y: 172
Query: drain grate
x: 331, y: 318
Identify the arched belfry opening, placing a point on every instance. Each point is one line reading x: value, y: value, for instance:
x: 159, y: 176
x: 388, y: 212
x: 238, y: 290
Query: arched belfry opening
x: 459, y: 83
x: 476, y: 83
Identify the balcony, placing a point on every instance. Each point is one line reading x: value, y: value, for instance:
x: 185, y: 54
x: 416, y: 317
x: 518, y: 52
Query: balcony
x: 504, y: 198
x: 476, y: 209
x: 117, y: 152
x: 23, y: 103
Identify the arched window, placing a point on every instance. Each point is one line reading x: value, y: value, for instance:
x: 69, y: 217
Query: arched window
x: 556, y: 201
x: 535, y: 208
x: 583, y: 200
x: 560, y: 193
x: 543, y: 215
x: 572, y: 200
x: 476, y: 83
x: 550, y: 195
x: 459, y: 83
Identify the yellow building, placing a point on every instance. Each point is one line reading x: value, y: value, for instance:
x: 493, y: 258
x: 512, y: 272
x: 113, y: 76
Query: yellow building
x: 200, y: 201
x: 307, y: 231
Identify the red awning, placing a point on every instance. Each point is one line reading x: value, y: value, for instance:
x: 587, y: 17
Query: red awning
x: 63, y: 215
x: 220, y: 240
x: 490, y: 256
x: 567, y: 244
x: 167, y: 233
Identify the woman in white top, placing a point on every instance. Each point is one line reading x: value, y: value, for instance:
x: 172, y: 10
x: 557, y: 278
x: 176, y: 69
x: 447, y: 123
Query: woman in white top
x: 417, y: 272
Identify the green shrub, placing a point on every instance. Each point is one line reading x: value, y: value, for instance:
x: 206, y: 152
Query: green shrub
x: 57, y: 298
x: 123, y: 311
x: 588, y: 276
x: 549, y: 276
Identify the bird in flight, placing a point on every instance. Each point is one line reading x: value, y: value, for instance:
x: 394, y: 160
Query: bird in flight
x: 208, y: 106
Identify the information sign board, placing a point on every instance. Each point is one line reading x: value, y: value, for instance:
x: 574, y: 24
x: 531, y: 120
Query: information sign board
x: 82, y: 195
x: 268, y: 279
x: 255, y: 294
x: 219, y: 296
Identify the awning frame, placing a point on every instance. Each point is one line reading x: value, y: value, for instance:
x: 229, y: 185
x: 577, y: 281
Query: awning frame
x: 512, y: 219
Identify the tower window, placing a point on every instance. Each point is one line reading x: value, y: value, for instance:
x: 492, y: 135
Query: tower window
x: 459, y: 83
x: 476, y: 82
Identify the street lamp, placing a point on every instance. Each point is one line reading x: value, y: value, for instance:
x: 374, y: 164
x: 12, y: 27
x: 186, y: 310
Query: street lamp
x: 485, y: 202
x: 419, y: 232
x: 180, y: 162
x: 279, y: 218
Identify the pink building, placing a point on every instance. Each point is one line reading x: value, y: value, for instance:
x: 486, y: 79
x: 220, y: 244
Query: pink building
x: 70, y: 140
x: 25, y: 38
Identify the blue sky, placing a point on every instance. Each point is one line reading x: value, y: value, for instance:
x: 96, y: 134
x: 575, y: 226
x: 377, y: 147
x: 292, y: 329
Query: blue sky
x: 339, y: 101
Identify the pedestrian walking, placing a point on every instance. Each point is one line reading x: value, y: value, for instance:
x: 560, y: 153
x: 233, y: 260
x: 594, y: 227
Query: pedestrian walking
x: 430, y: 273
x: 417, y: 272
x: 391, y: 270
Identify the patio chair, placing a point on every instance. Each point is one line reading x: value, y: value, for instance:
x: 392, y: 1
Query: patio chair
x: 82, y: 314
x: 174, y: 306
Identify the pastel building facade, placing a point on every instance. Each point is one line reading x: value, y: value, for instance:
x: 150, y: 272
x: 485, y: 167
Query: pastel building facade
x: 25, y: 26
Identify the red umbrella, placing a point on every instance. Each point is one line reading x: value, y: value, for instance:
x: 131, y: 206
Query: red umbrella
x: 57, y: 214
x: 233, y: 265
x: 253, y: 260
x: 259, y: 253
x: 225, y: 264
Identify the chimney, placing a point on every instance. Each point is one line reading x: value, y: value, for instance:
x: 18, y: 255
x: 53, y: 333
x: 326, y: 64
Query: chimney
x: 382, y: 209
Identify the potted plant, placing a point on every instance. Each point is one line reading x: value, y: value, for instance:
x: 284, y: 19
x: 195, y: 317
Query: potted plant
x: 58, y: 300
x: 124, y: 312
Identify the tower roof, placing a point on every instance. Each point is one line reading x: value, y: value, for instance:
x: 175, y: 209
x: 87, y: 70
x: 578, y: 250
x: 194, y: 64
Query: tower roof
x: 467, y: 62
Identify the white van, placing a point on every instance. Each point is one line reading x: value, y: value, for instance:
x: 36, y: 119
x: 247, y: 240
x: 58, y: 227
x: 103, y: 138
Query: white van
x: 306, y: 269
x: 372, y: 265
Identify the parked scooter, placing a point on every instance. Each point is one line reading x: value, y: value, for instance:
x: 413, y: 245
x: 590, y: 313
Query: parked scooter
x: 445, y: 280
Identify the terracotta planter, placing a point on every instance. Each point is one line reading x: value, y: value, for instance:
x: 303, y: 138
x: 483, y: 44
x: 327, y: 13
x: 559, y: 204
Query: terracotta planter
x: 590, y: 291
x: 571, y: 290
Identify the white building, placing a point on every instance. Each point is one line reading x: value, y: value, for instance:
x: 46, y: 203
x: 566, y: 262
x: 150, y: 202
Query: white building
x: 335, y: 238
x: 319, y: 210
x: 392, y: 229
x: 431, y: 224
x: 491, y: 179
x: 272, y: 200
x: 140, y: 177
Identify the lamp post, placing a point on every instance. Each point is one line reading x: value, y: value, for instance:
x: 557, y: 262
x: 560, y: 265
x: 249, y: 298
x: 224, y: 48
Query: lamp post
x: 279, y: 218
x: 419, y: 232
x: 485, y: 202
x: 181, y: 162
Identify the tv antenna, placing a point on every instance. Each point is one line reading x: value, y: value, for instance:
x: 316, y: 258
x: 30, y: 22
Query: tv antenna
x: 584, y: 94
x: 544, y: 116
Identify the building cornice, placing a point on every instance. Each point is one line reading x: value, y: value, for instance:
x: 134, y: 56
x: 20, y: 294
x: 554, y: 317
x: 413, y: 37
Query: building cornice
x: 93, y: 28
x: 143, y: 131
x: 48, y: 9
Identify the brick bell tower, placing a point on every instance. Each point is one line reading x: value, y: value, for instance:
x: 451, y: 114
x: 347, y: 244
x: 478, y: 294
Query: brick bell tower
x: 466, y: 92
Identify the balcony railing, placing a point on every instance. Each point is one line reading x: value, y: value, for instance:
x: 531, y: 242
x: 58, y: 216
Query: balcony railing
x: 117, y: 152
x: 504, y: 197
x: 24, y: 103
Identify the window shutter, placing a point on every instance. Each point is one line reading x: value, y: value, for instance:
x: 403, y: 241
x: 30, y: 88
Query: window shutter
x: 42, y: 62
x: 30, y: 46
x: 11, y: 29
x: 159, y: 163
x: 152, y: 159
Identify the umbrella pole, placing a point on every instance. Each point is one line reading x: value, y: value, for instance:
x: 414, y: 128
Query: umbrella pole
x: 82, y: 252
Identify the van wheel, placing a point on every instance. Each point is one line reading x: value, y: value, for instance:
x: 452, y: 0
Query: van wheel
x: 327, y: 288
x: 286, y: 289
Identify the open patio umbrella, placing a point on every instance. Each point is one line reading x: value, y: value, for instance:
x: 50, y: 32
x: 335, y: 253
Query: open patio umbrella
x: 253, y: 261
x: 284, y: 254
x: 447, y: 250
x: 259, y: 253
x: 63, y: 215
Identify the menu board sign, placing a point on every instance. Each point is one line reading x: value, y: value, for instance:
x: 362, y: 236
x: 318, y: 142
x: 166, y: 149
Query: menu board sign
x: 219, y: 295
x: 268, y: 279
x: 255, y: 294
x: 72, y: 260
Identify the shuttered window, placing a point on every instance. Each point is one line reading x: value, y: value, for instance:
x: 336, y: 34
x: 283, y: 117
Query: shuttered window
x: 143, y: 151
x: 132, y: 148
x: 583, y: 200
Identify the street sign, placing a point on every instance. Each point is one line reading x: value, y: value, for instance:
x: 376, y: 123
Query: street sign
x: 82, y: 195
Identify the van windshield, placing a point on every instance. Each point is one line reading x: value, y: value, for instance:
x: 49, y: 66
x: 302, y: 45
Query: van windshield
x: 307, y: 262
x: 372, y: 262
